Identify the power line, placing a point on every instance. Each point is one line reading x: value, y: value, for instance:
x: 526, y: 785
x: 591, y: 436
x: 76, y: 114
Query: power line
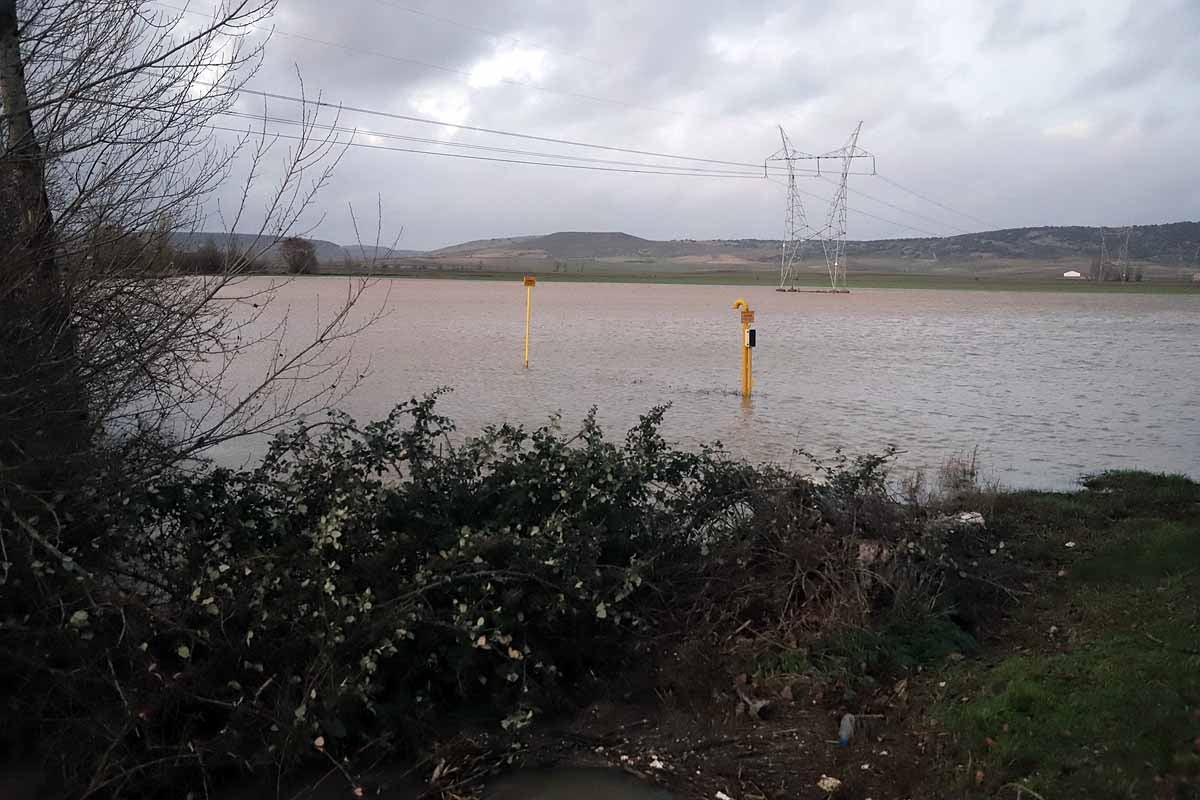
x: 640, y: 167
x: 477, y: 129
x: 274, y: 134
x: 914, y: 193
x: 861, y: 212
x: 464, y: 145
x: 901, y: 209
x: 428, y: 65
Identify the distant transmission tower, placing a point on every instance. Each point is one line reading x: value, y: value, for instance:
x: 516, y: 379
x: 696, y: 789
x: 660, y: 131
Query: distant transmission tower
x: 1114, y: 263
x: 795, y: 224
x: 797, y: 230
x: 834, y: 240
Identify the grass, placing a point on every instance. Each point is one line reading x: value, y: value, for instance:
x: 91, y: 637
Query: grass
x: 1095, y: 691
x: 855, y: 656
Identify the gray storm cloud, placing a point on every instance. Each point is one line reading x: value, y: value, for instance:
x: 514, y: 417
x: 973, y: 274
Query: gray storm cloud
x: 1018, y: 113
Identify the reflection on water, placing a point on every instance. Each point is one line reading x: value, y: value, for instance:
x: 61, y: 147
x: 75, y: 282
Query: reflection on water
x: 1046, y: 385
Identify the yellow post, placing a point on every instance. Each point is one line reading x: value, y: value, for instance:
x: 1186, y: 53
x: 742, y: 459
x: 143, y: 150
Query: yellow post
x: 530, y: 282
x: 747, y: 349
x: 747, y: 368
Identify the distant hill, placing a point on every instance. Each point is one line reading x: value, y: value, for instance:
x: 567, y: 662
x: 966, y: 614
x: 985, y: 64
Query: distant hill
x: 328, y: 253
x: 1171, y: 245
x: 477, y: 245
x: 1163, y: 249
x: 368, y: 252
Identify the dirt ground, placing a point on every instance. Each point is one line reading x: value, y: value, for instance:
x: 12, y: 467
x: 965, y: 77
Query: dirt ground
x: 714, y: 747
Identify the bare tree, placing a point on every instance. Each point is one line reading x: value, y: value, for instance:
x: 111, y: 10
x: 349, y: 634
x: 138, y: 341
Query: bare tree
x: 112, y: 350
x: 107, y: 154
x: 299, y: 255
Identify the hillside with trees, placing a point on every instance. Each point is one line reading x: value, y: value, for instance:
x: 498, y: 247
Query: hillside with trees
x: 1174, y: 243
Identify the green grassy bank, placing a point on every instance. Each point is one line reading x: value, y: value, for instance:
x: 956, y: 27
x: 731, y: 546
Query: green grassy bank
x: 1093, y: 688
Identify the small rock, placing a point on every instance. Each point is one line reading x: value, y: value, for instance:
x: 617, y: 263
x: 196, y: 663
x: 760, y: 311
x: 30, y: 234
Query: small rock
x: 1062, y: 573
x: 1069, y: 544
x: 786, y: 693
x: 829, y: 785
x: 723, y: 796
x: 955, y: 656
x: 967, y: 519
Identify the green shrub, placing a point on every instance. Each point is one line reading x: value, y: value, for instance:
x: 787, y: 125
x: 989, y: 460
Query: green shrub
x: 359, y: 584
x: 362, y: 585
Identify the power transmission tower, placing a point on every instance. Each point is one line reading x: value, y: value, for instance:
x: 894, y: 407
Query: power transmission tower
x: 795, y: 224
x: 834, y: 241
x: 1123, y: 258
x: 1118, y: 263
x: 797, y: 230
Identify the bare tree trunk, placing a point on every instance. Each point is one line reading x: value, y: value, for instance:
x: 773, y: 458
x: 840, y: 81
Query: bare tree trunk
x: 23, y: 159
x: 44, y: 408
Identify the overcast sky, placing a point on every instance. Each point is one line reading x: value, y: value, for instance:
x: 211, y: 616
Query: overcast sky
x: 1017, y: 112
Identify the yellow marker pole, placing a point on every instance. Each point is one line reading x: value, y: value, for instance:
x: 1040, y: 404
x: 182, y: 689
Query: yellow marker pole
x: 747, y: 350
x: 748, y: 364
x: 530, y: 282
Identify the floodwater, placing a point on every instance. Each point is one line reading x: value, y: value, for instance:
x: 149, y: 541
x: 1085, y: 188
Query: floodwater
x: 1047, y: 386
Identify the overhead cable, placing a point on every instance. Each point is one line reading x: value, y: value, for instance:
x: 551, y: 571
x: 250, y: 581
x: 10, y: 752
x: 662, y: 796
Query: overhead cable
x: 467, y: 146
x: 987, y: 225
x: 475, y: 128
x: 274, y: 134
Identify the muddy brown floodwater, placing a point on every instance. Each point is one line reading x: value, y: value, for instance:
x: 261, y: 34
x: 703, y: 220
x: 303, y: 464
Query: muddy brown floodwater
x: 1046, y: 385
